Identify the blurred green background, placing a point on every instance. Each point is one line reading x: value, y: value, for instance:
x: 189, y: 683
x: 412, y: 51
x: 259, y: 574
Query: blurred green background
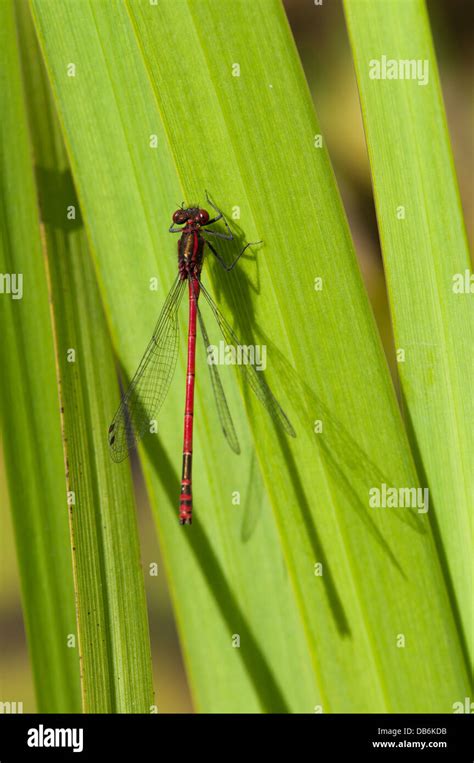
x: 322, y: 42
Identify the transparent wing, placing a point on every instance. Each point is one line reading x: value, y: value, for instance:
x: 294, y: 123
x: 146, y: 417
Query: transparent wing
x: 221, y: 402
x: 253, y: 377
x: 149, y: 387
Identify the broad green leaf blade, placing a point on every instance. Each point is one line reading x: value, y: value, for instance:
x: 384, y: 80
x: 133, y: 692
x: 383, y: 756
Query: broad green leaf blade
x: 29, y: 407
x: 426, y: 262
x: 140, y: 74
x: 112, y: 616
x: 212, y: 583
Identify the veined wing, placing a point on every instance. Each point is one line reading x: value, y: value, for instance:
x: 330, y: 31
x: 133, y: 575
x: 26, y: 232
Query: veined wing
x: 254, y: 378
x: 149, y: 387
x: 221, y: 402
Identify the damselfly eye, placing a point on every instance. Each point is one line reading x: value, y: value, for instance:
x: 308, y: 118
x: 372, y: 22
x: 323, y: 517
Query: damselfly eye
x: 180, y: 217
x: 202, y: 217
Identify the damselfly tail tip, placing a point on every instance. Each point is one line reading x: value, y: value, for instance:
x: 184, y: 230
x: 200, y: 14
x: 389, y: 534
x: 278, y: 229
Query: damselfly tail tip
x: 185, y: 521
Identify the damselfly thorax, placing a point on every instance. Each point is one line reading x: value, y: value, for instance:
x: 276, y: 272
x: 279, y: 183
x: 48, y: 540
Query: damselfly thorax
x: 190, y: 253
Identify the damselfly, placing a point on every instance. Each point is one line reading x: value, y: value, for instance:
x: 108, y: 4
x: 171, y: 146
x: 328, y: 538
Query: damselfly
x: 148, y: 388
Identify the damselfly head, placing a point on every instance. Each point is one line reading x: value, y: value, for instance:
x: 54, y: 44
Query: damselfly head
x: 192, y: 214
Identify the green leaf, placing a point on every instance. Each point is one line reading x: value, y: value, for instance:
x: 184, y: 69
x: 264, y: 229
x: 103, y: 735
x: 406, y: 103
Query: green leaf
x: 111, y: 606
x: 29, y: 406
x: 169, y: 70
x: 427, y: 264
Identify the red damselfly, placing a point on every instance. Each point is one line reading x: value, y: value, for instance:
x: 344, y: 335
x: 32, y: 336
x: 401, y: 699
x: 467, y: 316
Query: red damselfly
x: 148, y: 388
